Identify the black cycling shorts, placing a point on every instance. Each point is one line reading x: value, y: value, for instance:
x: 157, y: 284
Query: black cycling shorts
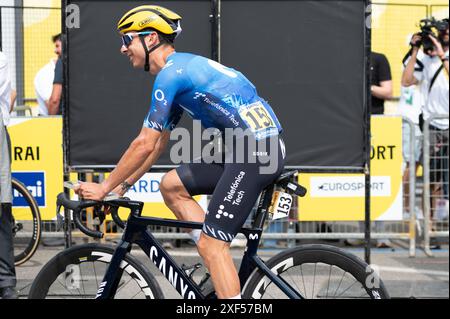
x: 234, y: 185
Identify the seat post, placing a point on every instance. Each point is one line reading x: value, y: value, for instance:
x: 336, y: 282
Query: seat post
x: 263, y: 206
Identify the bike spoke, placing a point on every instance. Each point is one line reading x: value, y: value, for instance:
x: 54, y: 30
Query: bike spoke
x: 314, y: 280
x: 65, y: 287
x: 288, y: 273
x: 95, y: 274
x: 82, y: 282
x: 355, y: 281
x: 340, y: 282
x: 329, y: 278
x: 303, y: 279
x: 135, y: 295
x: 123, y: 285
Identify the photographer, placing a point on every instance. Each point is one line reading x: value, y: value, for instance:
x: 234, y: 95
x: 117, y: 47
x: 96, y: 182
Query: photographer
x: 433, y: 77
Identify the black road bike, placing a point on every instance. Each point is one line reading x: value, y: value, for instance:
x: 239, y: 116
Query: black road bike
x: 102, y: 272
x: 26, y: 227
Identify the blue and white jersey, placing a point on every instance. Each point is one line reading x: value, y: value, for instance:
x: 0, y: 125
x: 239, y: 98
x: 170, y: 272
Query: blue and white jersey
x: 218, y: 96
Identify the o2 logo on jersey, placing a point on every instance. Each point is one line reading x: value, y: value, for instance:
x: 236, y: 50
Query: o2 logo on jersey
x: 222, y: 69
x: 160, y: 96
x: 35, y: 183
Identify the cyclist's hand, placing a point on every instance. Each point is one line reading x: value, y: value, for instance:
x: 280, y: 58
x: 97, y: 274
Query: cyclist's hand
x: 91, y: 191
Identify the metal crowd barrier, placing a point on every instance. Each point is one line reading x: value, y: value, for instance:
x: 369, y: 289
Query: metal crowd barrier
x: 286, y: 233
x: 435, y: 162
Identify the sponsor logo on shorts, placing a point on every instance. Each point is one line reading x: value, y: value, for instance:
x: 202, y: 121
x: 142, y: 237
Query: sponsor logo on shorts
x: 221, y: 213
x: 234, y: 196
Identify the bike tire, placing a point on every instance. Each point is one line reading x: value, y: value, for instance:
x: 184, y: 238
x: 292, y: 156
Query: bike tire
x: 24, y: 252
x: 78, y: 255
x: 324, y: 255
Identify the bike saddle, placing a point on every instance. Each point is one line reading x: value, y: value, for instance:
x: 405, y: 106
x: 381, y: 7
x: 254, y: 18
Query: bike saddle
x: 285, y: 182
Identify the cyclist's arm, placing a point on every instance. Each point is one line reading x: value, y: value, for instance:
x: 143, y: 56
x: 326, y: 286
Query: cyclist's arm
x: 163, y: 117
x: 141, y: 150
x: 149, y: 162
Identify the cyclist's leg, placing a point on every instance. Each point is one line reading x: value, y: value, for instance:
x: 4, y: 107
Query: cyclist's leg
x: 231, y: 203
x: 179, y: 186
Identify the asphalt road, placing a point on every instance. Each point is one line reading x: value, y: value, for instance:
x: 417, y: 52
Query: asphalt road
x: 404, y: 277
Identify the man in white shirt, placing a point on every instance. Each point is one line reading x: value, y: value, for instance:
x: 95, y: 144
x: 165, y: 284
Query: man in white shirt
x: 434, y: 78
x: 7, y: 270
x: 410, y: 106
x: 43, y: 82
x: 43, y: 85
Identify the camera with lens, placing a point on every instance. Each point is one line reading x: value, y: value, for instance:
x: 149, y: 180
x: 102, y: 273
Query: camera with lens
x: 427, y: 27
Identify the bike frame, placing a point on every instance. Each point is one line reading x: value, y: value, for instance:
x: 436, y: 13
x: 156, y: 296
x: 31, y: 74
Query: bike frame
x: 136, y: 232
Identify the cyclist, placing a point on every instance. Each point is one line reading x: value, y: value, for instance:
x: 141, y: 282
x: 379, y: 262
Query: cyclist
x: 220, y: 98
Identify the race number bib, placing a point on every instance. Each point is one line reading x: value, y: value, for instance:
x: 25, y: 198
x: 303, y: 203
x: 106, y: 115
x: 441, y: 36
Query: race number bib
x: 258, y: 120
x: 281, y: 205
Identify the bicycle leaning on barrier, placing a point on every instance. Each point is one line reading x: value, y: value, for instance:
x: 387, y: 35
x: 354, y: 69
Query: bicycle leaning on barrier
x: 103, y: 272
x: 27, y: 225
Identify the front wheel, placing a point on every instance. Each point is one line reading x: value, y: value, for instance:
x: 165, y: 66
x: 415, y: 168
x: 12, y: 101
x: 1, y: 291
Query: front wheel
x: 77, y: 272
x: 318, y: 272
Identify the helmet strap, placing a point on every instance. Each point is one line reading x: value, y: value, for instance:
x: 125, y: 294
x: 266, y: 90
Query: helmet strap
x: 147, y: 52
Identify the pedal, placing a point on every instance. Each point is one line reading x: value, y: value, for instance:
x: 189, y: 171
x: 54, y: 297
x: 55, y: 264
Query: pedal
x: 190, y: 270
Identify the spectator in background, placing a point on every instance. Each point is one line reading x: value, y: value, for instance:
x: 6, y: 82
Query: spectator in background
x: 43, y: 82
x: 7, y: 270
x: 434, y: 78
x: 381, y: 91
x: 381, y: 82
x: 410, y: 106
x: 55, y: 103
x: 380, y: 73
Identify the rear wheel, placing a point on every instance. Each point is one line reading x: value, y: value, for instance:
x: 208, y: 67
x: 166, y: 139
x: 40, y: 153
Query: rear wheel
x: 26, y: 223
x: 77, y: 272
x: 318, y: 272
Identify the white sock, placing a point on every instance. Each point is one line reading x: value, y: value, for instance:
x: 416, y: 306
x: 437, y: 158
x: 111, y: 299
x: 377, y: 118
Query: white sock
x: 195, y: 235
x: 237, y: 297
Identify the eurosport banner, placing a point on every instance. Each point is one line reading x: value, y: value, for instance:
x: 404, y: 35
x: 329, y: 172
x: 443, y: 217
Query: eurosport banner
x: 306, y: 58
x: 337, y: 197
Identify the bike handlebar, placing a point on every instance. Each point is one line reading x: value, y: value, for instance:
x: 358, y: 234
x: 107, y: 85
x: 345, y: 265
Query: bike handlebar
x: 78, y: 206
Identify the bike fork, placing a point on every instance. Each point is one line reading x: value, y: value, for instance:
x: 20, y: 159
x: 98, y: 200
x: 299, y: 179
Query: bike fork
x: 277, y: 280
x: 111, y: 280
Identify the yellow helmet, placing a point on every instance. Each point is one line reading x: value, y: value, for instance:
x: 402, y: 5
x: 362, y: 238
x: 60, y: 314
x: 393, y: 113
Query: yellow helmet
x: 151, y: 17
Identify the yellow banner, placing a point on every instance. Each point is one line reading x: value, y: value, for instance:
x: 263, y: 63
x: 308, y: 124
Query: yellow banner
x: 37, y: 160
x: 341, y: 197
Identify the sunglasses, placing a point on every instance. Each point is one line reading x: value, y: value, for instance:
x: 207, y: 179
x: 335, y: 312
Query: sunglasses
x: 128, y: 38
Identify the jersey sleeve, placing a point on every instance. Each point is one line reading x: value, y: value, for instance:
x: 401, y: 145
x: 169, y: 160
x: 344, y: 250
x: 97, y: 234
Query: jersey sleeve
x: 174, y: 118
x: 164, y: 113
